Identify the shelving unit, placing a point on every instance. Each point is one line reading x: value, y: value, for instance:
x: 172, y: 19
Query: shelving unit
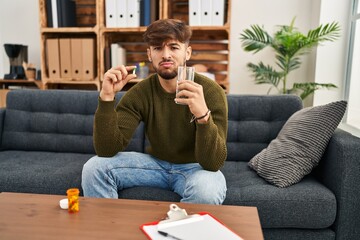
x: 70, y: 32
x: 210, y: 43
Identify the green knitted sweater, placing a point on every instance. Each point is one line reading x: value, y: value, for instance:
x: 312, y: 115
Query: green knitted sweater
x: 171, y: 135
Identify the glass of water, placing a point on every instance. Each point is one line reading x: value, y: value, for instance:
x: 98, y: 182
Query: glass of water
x: 185, y: 73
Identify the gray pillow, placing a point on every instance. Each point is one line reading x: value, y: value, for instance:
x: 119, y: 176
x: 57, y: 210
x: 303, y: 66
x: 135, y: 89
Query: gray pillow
x: 299, y: 145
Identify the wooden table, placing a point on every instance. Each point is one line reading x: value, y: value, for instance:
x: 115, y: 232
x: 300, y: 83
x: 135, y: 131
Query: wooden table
x: 38, y: 216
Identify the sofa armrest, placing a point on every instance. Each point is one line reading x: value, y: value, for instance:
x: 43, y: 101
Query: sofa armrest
x: 2, y: 118
x: 339, y: 170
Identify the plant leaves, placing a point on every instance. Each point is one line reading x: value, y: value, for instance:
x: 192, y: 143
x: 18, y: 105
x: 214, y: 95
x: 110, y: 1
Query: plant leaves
x: 255, y: 39
x: 289, y: 45
x: 310, y: 87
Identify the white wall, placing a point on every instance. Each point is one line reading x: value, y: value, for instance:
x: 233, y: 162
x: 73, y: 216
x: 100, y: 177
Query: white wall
x: 331, y: 58
x: 268, y: 14
x: 19, y: 24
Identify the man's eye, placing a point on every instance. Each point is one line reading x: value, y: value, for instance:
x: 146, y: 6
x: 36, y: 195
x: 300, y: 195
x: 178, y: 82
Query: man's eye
x: 157, y: 48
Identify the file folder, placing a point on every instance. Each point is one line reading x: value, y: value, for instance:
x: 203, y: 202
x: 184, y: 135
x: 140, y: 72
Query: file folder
x: 194, y: 12
x: 110, y: 12
x: 206, y: 10
x: 133, y: 13
x: 154, y: 7
x: 53, y: 60
x: 121, y: 13
x: 199, y: 226
x: 49, y: 13
x: 65, y: 57
x: 88, y: 58
x: 145, y: 12
x: 218, y: 8
x: 76, y: 58
x: 66, y: 13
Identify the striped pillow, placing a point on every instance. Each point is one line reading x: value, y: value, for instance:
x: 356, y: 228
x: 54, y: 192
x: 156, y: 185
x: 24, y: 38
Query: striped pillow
x: 299, y: 145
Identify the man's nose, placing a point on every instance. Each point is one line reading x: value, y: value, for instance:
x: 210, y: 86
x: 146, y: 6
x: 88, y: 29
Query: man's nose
x: 166, y: 54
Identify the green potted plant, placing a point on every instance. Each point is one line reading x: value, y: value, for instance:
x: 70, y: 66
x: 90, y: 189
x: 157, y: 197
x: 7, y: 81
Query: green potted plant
x: 289, y: 45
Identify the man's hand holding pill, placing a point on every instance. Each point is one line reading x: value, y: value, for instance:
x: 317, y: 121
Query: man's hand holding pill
x: 115, y: 79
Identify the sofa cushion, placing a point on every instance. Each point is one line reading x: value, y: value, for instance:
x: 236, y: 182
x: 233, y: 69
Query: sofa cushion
x: 40, y: 172
x: 256, y: 120
x: 300, y: 144
x: 308, y: 204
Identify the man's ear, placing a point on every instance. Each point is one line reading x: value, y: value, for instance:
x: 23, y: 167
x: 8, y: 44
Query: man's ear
x: 188, y: 53
x: 149, y: 54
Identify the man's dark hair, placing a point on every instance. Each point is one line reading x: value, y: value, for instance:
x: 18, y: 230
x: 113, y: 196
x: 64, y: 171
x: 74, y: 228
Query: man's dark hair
x: 163, y: 30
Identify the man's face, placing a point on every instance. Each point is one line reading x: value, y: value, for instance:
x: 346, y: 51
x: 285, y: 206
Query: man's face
x: 167, y: 57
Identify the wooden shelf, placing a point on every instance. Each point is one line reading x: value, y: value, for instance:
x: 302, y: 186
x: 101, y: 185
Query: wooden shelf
x: 49, y: 82
x: 210, y: 43
x: 116, y: 30
x: 6, y: 82
x: 69, y: 30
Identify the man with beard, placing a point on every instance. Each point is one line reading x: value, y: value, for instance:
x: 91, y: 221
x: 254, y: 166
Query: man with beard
x: 184, y: 156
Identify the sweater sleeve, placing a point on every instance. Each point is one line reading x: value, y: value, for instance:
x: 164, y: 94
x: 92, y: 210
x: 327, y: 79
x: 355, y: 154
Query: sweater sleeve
x: 113, y: 128
x: 210, y: 144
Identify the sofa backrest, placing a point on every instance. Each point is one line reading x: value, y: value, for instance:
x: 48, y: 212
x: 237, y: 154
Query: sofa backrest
x: 256, y: 120
x: 54, y: 120
x: 62, y: 121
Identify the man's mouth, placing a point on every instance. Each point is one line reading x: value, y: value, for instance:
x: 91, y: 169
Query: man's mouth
x: 166, y: 64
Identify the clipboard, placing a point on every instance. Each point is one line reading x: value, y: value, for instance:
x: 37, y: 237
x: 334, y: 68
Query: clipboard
x: 189, y: 227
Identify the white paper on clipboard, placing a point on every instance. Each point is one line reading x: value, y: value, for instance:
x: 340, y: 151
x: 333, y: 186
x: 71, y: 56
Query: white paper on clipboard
x: 202, y: 226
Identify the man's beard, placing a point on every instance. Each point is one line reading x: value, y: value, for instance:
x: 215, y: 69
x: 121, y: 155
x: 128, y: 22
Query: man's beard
x: 165, y: 74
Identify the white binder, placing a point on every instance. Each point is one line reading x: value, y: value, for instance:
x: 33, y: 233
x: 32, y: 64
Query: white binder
x: 54, y: 13
x: 194, y: 12
x: 133, y: 13
x: 206, y: 10
x: 121, y: 13
x: 110, y: 12
x: 218, y: 7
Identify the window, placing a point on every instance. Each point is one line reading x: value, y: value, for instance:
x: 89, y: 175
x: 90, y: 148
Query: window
x: 352, y: 92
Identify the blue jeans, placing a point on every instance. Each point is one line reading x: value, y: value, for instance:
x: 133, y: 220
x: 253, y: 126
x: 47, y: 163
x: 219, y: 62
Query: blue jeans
x: 104, y: 177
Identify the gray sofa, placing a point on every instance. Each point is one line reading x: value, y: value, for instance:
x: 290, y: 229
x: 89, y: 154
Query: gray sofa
x: 46, y: 137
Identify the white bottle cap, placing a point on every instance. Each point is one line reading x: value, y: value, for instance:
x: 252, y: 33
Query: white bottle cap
x: 64, y: 204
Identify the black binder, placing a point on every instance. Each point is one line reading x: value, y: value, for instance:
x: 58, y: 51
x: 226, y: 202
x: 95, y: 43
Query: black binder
x: 66, y: 13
